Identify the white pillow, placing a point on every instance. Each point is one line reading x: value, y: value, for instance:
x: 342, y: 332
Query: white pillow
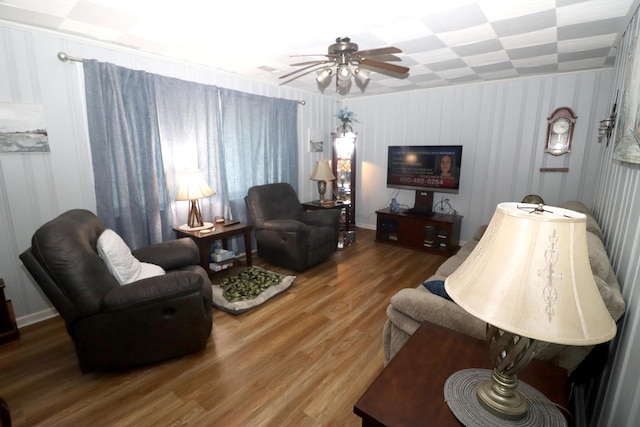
x: 120, y: 261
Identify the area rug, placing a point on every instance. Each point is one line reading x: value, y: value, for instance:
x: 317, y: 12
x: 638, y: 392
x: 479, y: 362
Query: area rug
x: 248, y: 289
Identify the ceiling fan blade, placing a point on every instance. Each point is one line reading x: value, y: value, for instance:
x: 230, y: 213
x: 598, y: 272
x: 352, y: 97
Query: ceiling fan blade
x: 384, y: 66
x: 310, y: 54
x: 299, y: 75
x: 316, y: 63
x: 379, y: 51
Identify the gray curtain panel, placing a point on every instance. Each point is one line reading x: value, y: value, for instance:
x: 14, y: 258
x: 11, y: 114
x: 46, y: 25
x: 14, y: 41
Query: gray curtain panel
x: 145, y: 128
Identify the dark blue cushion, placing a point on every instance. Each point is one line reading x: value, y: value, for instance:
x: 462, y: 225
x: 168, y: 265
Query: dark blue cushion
x: 436, y: 287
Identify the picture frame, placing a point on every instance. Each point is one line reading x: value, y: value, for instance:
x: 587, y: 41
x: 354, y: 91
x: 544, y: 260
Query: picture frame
x: 23, y: 128
x: 316, y: 142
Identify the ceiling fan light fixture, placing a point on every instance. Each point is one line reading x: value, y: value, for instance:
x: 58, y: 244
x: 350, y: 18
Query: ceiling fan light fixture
x: 361, y: 74
x: 344, y: 72
x: 323, y: 75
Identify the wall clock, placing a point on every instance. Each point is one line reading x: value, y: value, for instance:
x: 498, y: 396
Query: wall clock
x: 560, y: 131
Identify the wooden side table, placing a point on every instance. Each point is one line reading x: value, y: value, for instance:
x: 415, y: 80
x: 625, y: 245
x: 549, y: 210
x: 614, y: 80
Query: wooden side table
x: 410, y: 389
x: 312, y: 206
x: 221, y: 232
x: 8, y: 328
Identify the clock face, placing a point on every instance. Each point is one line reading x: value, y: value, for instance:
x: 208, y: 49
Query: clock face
x: 561, y: 126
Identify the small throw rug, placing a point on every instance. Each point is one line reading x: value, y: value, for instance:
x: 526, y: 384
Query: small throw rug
x: 248, y: 289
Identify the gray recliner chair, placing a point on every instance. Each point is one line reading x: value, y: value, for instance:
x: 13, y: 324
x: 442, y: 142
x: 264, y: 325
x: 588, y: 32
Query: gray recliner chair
x: 114, y: 326
x: 287, y: 235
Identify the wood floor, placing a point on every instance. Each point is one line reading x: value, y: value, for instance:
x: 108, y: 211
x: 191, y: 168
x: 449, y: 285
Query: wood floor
x: 302, y: 359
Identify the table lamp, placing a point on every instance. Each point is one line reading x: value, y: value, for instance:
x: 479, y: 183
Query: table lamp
x: 530, y: 280
x: 322, y: 173
x: 192, y: 188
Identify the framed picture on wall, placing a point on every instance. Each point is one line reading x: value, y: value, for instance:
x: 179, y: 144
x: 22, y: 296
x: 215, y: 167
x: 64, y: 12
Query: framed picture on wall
x: 23, y: 128
x: 316, y: 144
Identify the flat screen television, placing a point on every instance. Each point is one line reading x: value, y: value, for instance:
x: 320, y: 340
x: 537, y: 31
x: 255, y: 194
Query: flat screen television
x: 425, y: 169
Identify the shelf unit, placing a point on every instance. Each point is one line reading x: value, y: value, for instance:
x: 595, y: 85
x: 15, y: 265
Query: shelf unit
x: 438, y: 234
x: 343, y: 164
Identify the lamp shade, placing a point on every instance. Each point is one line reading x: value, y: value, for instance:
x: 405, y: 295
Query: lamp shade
x: 193, y: 186
x: 322, y: 172
x: 530, y: 275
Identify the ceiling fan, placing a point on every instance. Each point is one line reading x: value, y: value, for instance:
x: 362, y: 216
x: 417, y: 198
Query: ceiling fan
x: 348, y: 60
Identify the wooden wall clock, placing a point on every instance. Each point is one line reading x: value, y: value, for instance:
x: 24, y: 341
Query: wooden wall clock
x: 560, y: 131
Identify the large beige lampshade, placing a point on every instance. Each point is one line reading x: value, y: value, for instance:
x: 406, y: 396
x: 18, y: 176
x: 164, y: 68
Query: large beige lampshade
x: 322, y: 171
x: 193, y: 186
x: 530, y: 275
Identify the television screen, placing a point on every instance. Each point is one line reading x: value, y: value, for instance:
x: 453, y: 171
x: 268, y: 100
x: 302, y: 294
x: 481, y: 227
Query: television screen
x: 430, y: 168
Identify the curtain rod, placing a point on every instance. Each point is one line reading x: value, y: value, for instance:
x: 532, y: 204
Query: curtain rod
x: 62, y: 56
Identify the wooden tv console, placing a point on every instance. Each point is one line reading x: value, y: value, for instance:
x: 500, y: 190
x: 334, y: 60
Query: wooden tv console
x: 438, y: 234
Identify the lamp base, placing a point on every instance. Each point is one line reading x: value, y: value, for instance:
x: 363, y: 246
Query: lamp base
x: 204, y: 226
x: 460, y: 393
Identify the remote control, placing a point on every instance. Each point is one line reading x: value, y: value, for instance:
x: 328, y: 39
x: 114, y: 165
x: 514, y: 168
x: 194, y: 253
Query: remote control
x: 231, y: 223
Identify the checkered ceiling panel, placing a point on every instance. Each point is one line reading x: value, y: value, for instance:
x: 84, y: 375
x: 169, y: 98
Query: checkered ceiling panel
x: 443, y: 43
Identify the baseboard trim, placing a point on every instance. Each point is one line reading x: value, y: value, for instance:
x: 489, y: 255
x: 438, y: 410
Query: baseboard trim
x: 32, y: 318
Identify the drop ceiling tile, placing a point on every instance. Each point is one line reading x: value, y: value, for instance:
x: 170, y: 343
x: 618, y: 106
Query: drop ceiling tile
x: 101, y: 16
x: 37, y: 19
x: 584, y: 64
x: 590, y: 29
x: 504, y: 10
x: 539, y: 61
x: 489, y: 58
x: 58, y: 8
x: 446, y: 65
x: 533, y: 51
x: 538, y: 69
x: 97, y: 32
x: 478, y: 48
x: 525, y: 24
x: 455, y: 19
x: 599, y: 42
x: 580, y: 55
x: 493, y: 67
x: 423, y: 44
x: 548, y: 35
x: 593, y: 10
x: 468, y: 35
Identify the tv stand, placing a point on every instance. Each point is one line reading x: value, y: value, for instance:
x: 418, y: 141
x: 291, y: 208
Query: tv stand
x: 420, y: 212
x: 439, y: 234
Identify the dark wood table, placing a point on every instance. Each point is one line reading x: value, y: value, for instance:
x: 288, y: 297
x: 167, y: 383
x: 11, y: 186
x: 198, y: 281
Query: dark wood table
x: 317, y: 205
x: 410, y: 389
x: 221, y: 232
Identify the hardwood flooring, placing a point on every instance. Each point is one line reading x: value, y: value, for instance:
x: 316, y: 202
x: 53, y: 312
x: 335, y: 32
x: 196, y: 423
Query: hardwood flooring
x: 301, y: 359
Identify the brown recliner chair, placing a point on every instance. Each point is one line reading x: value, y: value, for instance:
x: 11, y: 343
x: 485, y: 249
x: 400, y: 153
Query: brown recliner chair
x: 286, y: 234
x: 113, y: 326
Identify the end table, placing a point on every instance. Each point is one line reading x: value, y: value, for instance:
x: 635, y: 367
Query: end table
x: 316, y: 205
x: 221, y: 232
x: 410, y: 389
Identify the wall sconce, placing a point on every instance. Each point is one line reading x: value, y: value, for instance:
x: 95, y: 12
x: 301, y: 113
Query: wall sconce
x: 606, y: 126
x: 605, y: 129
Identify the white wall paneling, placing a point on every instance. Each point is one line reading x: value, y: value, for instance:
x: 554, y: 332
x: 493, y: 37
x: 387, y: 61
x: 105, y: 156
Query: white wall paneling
x: 617, y: 207
x: 37, y: 187
x: 502, y: 126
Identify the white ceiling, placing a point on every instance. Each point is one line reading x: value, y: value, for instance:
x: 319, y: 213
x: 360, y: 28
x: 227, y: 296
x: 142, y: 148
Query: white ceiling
x: 444, y: 42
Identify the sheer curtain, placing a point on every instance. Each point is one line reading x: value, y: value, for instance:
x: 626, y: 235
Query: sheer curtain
x: 145, y: 128
x: 131, y: 191
x: 259, y: 144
